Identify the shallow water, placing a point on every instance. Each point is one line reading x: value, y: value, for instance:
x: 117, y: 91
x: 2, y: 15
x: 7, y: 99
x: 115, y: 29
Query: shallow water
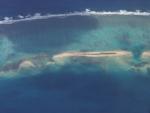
x: 77, y: 85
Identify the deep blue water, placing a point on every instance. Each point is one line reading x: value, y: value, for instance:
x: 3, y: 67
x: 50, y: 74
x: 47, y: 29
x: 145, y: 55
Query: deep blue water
x: 24, y: 7
x: 69, y: 92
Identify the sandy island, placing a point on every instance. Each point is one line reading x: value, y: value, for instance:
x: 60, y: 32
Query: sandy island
x: 146, y: 54
x: 44, y: 60
x: 92, y: 54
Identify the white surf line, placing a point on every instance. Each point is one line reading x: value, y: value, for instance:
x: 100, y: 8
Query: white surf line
x: 64, y: 55
x: 87, y: 12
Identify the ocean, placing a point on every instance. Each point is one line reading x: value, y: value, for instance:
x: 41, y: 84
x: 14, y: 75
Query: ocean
x: 74, y: 56
x: 24, y: 7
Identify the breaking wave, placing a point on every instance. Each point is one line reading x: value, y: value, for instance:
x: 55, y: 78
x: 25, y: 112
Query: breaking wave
x: 87, y: 12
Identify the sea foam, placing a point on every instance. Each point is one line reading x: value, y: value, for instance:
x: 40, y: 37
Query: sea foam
x: 87, y: 12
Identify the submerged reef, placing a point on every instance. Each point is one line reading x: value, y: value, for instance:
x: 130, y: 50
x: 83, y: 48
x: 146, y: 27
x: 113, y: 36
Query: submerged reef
x: 113, y: 42
x: 110, y: 61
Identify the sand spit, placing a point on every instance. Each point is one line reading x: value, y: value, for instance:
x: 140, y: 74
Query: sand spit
x: 146, y: 54
x: 119, y: 58
x: 64, y: 55
x: 26, y: 64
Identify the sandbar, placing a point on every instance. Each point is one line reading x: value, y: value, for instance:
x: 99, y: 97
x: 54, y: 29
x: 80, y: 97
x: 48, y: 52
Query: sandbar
x: 93, y: 54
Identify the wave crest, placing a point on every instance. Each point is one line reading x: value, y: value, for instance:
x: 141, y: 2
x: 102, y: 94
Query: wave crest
x: 87, y: 12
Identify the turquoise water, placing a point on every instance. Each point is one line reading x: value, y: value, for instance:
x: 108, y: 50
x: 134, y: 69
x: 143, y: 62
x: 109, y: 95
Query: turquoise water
x: 77, y: 85
x: 96, y: 32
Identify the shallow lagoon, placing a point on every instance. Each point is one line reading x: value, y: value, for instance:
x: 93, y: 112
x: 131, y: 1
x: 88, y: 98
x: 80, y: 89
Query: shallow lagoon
x: 83, y: 85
